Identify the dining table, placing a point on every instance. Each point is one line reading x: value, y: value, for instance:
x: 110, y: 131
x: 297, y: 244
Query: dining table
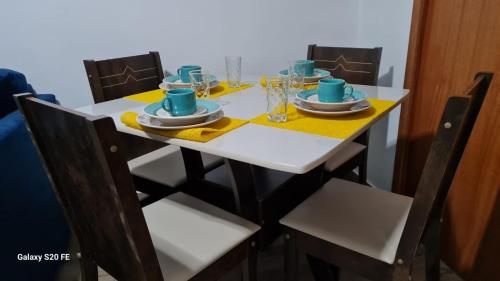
x: 253, y: 144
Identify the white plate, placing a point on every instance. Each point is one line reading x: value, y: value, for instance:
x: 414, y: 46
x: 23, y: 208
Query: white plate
x: 310, y: 98
x: 356, y: 108
x: 165, y: 114
x: 174, y: 82
x: 167, y: 119
x: 170, y: 86
x: 151, y: 122
x: 311, y: 80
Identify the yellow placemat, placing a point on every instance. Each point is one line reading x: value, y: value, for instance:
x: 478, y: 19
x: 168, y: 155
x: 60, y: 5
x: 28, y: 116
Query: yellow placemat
x: 157, y: 95
x: 332, y: 126
x: 202, y: 134
x: 147, y: 97
x: 223, y: 89
x: 307, y: 87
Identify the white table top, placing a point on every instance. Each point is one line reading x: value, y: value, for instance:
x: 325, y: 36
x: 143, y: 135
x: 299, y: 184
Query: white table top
x: 269, y: 147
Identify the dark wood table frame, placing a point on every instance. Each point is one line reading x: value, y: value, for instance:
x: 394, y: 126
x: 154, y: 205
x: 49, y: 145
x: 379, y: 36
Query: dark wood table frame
x: 243, y: 200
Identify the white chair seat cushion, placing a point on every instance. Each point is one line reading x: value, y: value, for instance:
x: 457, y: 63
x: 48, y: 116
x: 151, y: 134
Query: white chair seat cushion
x: 363, y: 219
x: 165, y: 165
x: 189, y: 234
x: 346, y: 153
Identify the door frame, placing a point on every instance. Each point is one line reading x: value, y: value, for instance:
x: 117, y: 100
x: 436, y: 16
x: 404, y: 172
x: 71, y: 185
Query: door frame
x: 415, y: 45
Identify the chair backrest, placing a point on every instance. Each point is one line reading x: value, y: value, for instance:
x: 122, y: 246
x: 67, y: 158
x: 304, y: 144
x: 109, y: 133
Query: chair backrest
x: 115, y: 78
x: 444, y: 156
x: 355, y: 65
x: 82, y: 157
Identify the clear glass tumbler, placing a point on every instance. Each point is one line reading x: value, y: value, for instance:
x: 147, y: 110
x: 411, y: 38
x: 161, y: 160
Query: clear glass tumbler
x: 233, y: 71
x: 277, y: 88
x: 200, y: 82
x: 296, y: 73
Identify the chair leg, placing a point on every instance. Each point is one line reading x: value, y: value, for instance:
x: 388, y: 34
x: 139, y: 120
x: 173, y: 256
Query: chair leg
x: 432, y: 256
x: 432, y: 266
x: 362, y: 169
x: 250, y: 268
x: 432, y: 263
x: 89, y: 269
x: 291, y: 257
x: 363, y: 166
x: 323, y: 271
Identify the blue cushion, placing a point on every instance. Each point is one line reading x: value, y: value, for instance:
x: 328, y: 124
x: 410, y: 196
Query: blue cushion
x: 47, y: 97
x: 31, y: 217
x: 11, y: 82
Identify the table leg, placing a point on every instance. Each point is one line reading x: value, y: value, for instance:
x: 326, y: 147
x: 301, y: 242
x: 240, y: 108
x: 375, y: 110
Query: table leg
x: 193, y: 163
x: 243, y: 187
x: 363, y: 139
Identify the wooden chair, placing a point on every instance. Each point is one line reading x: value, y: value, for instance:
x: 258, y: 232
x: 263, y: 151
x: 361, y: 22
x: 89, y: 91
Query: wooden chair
x: 115, y: 78
x: 176, y: 238
x: 153, y: 164
x: 378, y: 234
x: 356, y: 66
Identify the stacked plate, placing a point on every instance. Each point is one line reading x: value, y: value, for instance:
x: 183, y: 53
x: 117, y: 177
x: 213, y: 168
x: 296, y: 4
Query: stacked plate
x: 154, y: 116
x: 308, y: 101
x: 310, y: 80
x: 174, y: 82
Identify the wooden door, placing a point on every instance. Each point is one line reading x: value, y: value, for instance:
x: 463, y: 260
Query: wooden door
x: 450, y: 41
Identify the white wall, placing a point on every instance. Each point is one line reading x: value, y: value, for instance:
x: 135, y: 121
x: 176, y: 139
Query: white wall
x: 47, y: 40
x: 53, y: 38
x: 385, y: 23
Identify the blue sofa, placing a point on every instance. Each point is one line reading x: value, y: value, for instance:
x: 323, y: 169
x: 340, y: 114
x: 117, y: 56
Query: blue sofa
x: 32, y: 221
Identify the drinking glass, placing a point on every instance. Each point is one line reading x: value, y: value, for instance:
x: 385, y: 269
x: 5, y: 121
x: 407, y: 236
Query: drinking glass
x: 296, y: 73
x: 233, y: 71
x: 277, y: 88
x: 200, y: 82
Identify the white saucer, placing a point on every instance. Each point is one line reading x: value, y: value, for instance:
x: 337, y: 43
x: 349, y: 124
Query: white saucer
x: 165, y: 114
x: 205, y: 108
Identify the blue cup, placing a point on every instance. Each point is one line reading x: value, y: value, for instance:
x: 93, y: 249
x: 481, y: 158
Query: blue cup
x: 308, y: 66
x: 333, y: 90
x: 180, y: 102
x: 183, y: 72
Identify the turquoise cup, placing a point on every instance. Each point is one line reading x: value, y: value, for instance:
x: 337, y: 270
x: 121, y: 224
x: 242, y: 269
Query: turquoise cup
x: 333, y: 90
x: 183, y: 72
x: 308, y: 65
x: 180, y: 102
